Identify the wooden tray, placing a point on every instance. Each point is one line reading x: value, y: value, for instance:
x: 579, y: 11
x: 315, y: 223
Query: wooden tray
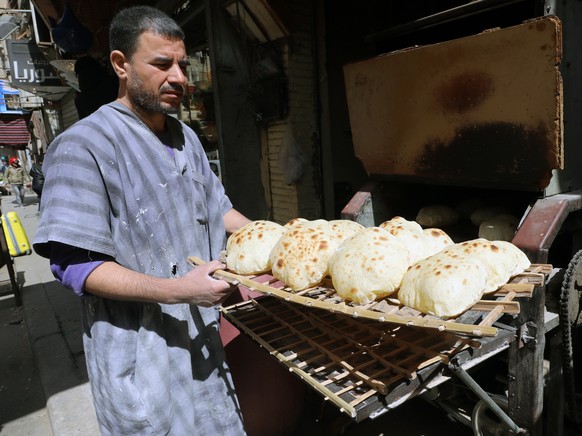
x: 359, y: 365
x: 390, y: 310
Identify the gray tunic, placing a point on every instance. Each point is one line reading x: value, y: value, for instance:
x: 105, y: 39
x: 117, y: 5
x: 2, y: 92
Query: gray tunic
x: 111, y: 187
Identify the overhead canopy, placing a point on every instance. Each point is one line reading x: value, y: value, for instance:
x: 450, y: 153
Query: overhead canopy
x: 14, y: 130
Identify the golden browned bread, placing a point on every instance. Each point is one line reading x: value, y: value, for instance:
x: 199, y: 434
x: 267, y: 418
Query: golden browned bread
x: 368, y: 265
x: 300, y: 257
x: 247, y: 249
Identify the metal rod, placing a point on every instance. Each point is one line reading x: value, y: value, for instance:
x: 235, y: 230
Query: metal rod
x: 478, y: 390
x: 442, y: 17
x: 34, y: 25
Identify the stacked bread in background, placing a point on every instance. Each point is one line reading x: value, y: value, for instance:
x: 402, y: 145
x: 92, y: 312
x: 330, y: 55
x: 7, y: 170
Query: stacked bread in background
x: 423, y: 267
x: 493, y: 222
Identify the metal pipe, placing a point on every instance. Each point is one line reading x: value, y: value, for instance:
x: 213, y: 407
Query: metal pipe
x: 34, y: 26
x: 478, y: 390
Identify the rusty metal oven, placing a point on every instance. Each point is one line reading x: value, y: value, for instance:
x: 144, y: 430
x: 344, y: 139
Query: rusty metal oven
x: 482, y: 117
x: 479, y: 116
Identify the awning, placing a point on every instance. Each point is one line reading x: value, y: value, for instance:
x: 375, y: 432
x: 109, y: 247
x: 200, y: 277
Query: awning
x: 14, y: 130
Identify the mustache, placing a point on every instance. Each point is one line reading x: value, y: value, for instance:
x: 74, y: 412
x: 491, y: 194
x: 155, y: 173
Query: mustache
x: 173, y: 87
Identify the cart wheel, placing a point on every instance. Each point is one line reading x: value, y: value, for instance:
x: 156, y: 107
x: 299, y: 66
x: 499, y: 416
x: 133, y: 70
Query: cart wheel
x: 570, y: 319
x: 485, y: 423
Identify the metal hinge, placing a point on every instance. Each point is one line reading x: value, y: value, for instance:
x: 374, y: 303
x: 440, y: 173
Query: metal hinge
x: 528, y: 335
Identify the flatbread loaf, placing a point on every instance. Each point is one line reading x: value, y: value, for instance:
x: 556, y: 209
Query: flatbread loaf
x: 345, y: 228
x: 435, y: 240
x: 420, y: 243
x: 437, y: 215
x: 451, y: 281
x: 368, y: 265
x: 410, y: 234
x: 445, y: 284
x: 247, y: 249
x: 500, y: 228
x: 522, y: 262
x: 294, y: 221
x: 299, y: 259
x: 501, y: 259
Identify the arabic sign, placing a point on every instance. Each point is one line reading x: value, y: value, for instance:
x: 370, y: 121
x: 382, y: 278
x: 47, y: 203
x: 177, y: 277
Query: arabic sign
x: 32, y: 71
x: 29, y: 65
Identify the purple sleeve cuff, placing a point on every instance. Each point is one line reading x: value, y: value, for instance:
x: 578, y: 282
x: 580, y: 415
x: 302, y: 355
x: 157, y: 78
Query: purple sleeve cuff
x: 71, y: 266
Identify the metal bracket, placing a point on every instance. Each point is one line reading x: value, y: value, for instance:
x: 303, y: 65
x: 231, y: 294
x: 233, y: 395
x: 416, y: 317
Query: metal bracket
x: 478, y: 390
x: 528, y: 335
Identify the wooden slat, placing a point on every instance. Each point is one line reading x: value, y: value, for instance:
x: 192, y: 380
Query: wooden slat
x: 390, y: 310
x: 351, y: 310
x: 497, y: 306
x: 347, y: 360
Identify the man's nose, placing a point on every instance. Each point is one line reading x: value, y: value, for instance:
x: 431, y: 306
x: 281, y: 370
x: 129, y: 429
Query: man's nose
x: 177, y: 75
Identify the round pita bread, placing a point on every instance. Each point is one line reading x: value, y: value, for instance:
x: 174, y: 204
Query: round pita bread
x: 445, y: 284
x: 345, y: 228
x: 451, y: 281
x: 247, y: 249
x: 501, y: 259
x: 398, y: 222
x: 368, y: 265
x: 299, y: 259
x: 522, y: 262
x: 437, y: 215
x: 410, y: 234
x: 294, y: 221
x: 499, y: 228
x: 435, y: 240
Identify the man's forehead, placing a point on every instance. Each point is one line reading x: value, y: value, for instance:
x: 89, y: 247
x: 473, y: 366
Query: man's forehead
x: 155, y: 43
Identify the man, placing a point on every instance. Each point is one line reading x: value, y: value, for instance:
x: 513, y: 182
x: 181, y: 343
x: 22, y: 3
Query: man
x: 128, y: 196
x: 37, y: 178
x: 18, y: 179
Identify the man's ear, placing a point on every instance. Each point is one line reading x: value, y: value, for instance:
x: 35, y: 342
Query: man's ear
x: 119, y: 63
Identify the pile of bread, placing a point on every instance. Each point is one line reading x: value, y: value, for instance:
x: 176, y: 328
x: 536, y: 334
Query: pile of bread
x: 492, y: 221
x: 424, y: 268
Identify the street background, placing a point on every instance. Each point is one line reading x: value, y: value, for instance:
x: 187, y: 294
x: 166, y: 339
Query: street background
x: 43, y: 384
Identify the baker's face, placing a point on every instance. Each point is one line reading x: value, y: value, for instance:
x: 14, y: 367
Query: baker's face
x: 157, y: 74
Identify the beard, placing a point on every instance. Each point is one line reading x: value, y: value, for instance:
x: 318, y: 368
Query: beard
x: 147, y: 100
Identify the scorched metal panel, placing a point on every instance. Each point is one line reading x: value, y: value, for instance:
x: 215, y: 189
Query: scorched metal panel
x: 484, y: 110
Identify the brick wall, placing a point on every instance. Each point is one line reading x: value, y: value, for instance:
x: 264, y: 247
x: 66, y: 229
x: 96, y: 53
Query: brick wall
x: 291, y: 146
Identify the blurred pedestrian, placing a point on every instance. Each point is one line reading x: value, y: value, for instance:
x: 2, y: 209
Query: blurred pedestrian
x: 37, y: 179
x: 18, y: 180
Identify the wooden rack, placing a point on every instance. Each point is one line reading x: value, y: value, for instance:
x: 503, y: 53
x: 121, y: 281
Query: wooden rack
x: 359, y: 365
x: 390, y: 310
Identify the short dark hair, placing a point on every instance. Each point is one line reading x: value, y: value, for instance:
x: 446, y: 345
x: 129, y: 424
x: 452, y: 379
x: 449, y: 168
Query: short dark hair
x: 130, y: 23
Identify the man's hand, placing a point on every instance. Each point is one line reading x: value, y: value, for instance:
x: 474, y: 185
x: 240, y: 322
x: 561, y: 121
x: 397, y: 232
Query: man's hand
x: 197, y: 287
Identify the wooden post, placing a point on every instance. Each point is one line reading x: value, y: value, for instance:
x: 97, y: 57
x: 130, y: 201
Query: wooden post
x: 526, y: 354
